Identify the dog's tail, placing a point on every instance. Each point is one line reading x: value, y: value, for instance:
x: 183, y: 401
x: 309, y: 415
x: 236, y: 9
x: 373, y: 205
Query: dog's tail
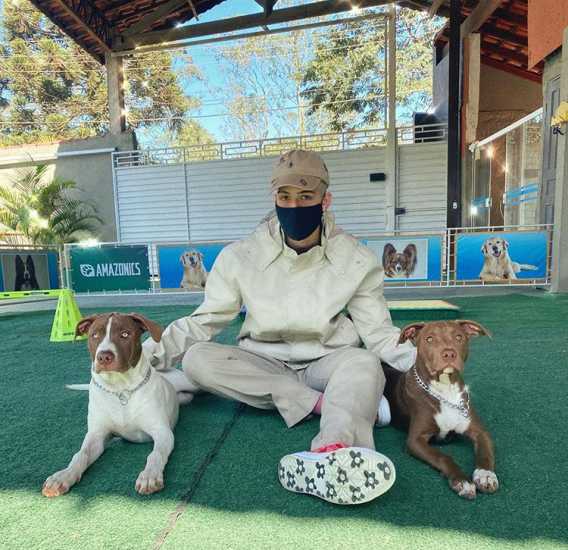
x: 528, y: 267
x: 80, y: 387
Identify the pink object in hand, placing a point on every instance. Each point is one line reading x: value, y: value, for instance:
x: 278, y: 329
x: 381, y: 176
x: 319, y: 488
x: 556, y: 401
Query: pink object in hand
x: 317, y: 406
x: 329, y: 448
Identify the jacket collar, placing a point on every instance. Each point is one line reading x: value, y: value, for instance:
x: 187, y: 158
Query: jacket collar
x: 271, y: 243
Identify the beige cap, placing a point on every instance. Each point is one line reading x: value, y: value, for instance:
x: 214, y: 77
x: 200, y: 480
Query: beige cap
x: 299, y: 168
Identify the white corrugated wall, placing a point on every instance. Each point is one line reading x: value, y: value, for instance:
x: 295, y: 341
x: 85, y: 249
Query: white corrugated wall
x: 422, y: 186
x: 151, y: 203
x: 226, y: 199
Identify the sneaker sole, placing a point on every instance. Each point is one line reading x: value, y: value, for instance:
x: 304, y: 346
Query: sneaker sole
x: 352, y: 475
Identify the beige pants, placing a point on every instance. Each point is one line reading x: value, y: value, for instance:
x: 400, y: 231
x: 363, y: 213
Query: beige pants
x: 351, y: 380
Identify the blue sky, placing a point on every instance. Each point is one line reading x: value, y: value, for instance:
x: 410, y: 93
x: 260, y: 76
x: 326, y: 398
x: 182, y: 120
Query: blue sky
x: 212, y: 89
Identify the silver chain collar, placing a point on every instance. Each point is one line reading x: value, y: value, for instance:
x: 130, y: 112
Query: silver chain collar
x: 124, y: 395
x: 462, y: 406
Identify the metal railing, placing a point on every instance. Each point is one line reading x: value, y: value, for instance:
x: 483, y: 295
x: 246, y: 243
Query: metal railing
x: 448, y: 259
x: 261, y: 148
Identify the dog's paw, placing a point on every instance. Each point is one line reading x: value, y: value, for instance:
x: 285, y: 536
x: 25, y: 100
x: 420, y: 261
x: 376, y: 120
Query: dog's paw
x: 485, y: 480
x: 463, y: 487
x: 149, y: 482
x: 57, y: 484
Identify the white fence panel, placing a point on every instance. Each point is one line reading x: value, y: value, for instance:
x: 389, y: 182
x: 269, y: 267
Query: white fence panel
x: 151, y: 203
x: 227, y: 199
x: 422, y: 186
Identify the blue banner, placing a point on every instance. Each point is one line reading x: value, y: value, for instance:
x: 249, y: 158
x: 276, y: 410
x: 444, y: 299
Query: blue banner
x: 186, y: 266
x: 28, y: 270
x: 409, y: 258
x: 501, y: 256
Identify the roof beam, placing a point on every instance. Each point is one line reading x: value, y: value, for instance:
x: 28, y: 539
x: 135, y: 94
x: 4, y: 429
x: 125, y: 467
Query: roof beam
x: 478, y: 16
x: 499, y: 34
x: 162, y: 11
x: 505, y: 53
x: 315, y: 9
x: 523, y: 73
x: 84, y: 14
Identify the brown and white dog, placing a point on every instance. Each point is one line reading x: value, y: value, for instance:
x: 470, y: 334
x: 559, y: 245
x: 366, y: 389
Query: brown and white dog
x: 194, y: 273
x: 431, y: 400
x: 497, y: 264
x: 399, y: 264
x: 127, y: 398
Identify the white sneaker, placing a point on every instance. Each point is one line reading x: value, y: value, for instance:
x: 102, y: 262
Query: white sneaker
x: 383, y: 413
x: 352, y: 475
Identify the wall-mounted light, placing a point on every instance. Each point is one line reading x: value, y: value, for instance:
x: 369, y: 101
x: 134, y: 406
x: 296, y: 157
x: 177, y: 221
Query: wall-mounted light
x: 473, y: 210
x: 490, y: 152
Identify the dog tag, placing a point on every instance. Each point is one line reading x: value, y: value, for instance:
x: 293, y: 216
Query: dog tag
x: 123, y: 398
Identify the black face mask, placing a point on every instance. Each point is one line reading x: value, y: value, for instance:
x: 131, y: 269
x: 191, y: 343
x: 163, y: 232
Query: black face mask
x: 299, y: 222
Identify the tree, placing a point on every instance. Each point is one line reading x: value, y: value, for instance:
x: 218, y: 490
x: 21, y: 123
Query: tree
x: 44, y: 212
x: 52, y: 90
x: 350, y: 88
x: 263, y: 81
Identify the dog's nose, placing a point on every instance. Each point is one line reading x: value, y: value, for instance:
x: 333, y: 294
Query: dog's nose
x: 105, y: 357
x: 449, y: 354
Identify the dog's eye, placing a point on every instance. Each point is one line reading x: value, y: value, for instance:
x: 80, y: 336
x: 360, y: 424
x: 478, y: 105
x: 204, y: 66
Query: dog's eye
x: 95, y: 335
x: 459, y: 337
x: 125, y: 334
x: 429, y: 339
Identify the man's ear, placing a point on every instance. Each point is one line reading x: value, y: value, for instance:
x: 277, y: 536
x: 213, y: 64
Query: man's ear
x: 154, y: 329
x: 473, y: 328
x: 410, y: 332
x: 327, y: 200
x: 84, y: 325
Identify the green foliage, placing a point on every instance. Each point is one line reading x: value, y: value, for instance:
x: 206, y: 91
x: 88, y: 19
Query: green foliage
x: 44, y: 212
x: 51, y: 90
x: 346, y: 78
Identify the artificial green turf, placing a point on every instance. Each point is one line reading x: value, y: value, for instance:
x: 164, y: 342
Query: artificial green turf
x: 519, y: 386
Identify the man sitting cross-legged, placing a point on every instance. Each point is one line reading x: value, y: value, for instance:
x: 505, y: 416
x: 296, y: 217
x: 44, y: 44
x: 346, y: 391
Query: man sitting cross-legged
x: 297, y: 350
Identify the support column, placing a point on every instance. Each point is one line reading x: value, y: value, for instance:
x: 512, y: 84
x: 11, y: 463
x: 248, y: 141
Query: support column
x: 115, y: 85
x: 454, y: 100
x: 560, y: 251
x: 391, y: 149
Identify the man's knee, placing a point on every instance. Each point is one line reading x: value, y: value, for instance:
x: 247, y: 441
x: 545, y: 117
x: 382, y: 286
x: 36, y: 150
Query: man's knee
x: 366, y: 366
x: 197, y: 362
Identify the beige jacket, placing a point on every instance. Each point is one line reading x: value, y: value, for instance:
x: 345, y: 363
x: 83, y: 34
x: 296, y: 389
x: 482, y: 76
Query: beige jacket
x: 295, y: 303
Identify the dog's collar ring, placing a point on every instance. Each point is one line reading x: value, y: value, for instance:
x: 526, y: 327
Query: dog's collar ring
x: 124, y: 395
x: 462, y: 406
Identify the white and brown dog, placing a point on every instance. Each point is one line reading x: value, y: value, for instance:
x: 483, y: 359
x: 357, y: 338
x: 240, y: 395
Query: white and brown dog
x: 127, y: 398
x: 497, y: 264
x: 194, y: 273
x: 399, y: 264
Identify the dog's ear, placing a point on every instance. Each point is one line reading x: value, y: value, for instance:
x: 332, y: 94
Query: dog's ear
x: 154, y: 329
x: 30, y: 264
x: 410, y: 332
x: 484, y: 247
x: 84, y: 325
x: 200, y: 255
x: 506, y: 244
x: 19, y: 262
x: 473, y: 328
x: 388, y: 250
x: 411, y: 253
